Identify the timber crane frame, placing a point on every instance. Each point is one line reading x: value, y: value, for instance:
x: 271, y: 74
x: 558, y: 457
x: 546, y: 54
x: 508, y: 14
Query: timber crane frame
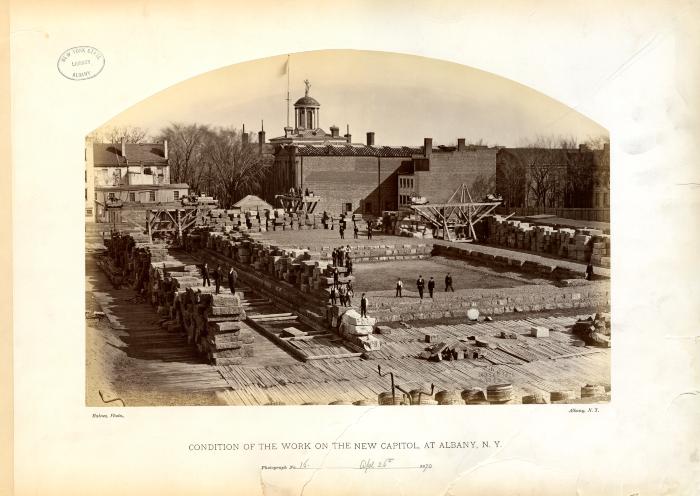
x: 460, y: 210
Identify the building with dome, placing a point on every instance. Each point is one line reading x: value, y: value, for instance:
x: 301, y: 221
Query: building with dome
x: 365, y: 178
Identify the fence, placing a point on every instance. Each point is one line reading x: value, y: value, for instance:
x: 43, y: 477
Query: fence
x: 588, y: 214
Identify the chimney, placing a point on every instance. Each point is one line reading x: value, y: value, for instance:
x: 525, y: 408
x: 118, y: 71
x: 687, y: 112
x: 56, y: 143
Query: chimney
x: 261, y: 137
x: 124, y: 147
x: 244, y: 136
x: 370, y: 138
x: 288, y: 132
x: 427, y: 147
x: 606, y: 147
x: 348, y: 136
x: 461, y: 145
x: 582, y: 147
x: 165, y: 149
x: 335, y: 132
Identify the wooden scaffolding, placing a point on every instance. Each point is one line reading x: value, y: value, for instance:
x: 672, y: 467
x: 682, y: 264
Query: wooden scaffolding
x: 298, y: 203
x: 173, y: 221
x: 460, y: 211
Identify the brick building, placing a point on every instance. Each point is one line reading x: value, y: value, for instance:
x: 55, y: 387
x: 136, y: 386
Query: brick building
x: 365, y: 178
x: 554, y: 177
x: 133, y: 174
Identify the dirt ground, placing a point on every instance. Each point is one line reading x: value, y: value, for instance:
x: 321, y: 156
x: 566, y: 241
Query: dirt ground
x: 381, y: 276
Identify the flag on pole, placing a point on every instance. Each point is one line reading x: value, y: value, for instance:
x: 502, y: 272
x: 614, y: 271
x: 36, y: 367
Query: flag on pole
x: 285, y: 67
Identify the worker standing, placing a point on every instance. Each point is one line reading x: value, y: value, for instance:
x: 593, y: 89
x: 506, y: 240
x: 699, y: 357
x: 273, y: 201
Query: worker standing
x: 363, y: 306
x: 589, y: 270
x: 342, y: 292
x: 217, y: 278
x: 336, y: 275
x: 355, y: 230
x: 342, y: 231
x: 369, y: 230
x: 334, y: 295
x: 349, y: 293
x: 348, y: 265
x: 448, y: 283
x: 431, y: 286
x: 205, y: 275
x: 399, y: 287
x: 232, y: 277
x: 335, y: 257
x: 420, y: 284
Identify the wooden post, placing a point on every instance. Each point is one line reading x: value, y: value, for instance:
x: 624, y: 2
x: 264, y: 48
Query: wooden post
x: 148, y: 221
x: 179, y: 225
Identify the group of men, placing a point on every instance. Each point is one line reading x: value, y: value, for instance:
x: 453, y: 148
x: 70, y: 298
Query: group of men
x: 355, y: 229
x: 341, y: 258
x: 218, y: 276
x: 420, y: 284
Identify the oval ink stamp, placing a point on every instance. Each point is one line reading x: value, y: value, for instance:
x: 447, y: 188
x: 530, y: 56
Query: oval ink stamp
x: 81, y: 62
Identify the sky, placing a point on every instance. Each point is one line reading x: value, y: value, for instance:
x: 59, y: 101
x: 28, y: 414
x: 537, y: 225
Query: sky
x: 402, y: 98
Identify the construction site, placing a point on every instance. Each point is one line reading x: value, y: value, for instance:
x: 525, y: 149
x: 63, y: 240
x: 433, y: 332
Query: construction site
x: 517, y: 310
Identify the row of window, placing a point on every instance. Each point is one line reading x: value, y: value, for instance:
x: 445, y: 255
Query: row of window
x: 404, y: 199
x: 132, y: 196
x: 405, y: 182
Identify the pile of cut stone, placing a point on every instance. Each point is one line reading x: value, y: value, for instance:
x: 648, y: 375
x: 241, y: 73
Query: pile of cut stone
x: 595, y: 331
x: 358, y: 330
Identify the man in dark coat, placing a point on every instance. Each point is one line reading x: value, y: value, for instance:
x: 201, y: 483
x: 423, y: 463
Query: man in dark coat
x: 589, y: 271
x: 448, y: 283
x: 336, y: 275
x: 218, y: 275
x: 232, y: 277
x: 335, y: 256
x: 342, y: 231
x: 420, y: 284
x: 363, y: 306
x: 205, y: 275
x: 431, y: 286
x: 369, y: 230
x: 348, y: 264
x: 333, y: 295
x: 355, y: 230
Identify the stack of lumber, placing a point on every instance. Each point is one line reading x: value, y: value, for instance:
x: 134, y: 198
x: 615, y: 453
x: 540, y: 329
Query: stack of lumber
x: 129, y: 257
x: 413, y: 226
x: 456, y: 350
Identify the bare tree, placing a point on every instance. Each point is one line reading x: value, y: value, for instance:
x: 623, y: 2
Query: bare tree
x: 511, y: 182
x: 235, y: 168
x: 482, y: 186
x: 115, y: 134
x: 186, y: 143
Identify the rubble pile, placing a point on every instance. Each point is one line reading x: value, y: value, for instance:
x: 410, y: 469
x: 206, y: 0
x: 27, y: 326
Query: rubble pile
x: 594, y: 331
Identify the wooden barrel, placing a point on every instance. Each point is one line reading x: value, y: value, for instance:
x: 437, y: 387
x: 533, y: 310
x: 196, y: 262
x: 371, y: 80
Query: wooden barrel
x: 561, y: 395
x: 591, y: 391
x: 499, y: 393
x: 535, y: 399
x: 386, y: 399
x: 449, y: 397
x: 473, y: 394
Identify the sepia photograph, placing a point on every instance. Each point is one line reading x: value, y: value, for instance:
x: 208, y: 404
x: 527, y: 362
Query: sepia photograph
x: 347, y: 227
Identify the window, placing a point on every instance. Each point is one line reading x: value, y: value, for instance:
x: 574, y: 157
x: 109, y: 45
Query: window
x: 605, y: 200
x: 176, y: 195
x: 348, y: 207
x: 132, y: 197
x: 88, y: 211
x: 597, y: 200
x: 152, y: 196
x: 111, y: 196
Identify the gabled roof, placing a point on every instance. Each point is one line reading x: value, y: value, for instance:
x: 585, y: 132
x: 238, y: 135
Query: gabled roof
x: 136, y: 153
x: 252, y: 202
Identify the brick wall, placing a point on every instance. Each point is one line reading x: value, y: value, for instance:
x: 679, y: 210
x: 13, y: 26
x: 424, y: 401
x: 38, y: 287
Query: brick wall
x: 448, y: 170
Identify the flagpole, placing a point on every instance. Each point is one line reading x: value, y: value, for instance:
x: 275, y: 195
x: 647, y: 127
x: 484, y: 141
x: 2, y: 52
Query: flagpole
x: 288, y: 90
